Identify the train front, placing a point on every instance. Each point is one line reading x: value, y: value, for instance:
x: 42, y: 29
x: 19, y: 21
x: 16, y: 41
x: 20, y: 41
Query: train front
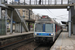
x: 44, y: 30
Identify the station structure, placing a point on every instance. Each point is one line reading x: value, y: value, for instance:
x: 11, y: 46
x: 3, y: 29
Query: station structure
x: 11, y: 10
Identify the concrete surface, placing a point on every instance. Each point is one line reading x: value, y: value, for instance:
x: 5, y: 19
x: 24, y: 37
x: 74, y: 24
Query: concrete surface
x: 64, y: 42
x: 14, y: 34
x: 40, y: 6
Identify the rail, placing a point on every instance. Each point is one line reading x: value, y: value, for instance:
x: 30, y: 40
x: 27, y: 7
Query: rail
x: 16, y: 42
x: 43, y: 47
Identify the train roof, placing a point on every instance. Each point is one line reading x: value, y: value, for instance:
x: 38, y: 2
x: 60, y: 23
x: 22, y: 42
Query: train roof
x: 46, y: 19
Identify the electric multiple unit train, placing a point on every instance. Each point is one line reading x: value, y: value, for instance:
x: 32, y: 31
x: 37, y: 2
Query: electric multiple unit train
x: 46, y: 29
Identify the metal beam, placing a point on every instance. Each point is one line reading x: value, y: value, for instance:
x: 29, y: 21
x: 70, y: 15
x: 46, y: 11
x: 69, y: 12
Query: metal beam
x: 48, y: 2
x: 30, y: 2
x: 36, y: 2
x: 29, y: 14
x: 29, y: 19
x: 61, y: 2
x: 39, y: 6
x: 2, y: 5
x: 24, y: 2
x: 29, y: 26
x: 0, y: 12
x: 45, y: 2
x: 6, y: 19
x: 55, y: 2
x: 0, y: 1
x: 69, y: 22
x: 42, y: 2
x: 21, y: 27
x: 11, y: 28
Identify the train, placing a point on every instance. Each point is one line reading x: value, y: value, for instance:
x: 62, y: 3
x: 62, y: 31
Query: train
x: 46, y: 29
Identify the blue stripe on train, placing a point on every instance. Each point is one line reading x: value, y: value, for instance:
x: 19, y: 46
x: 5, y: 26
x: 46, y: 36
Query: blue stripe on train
x: 44, y: 34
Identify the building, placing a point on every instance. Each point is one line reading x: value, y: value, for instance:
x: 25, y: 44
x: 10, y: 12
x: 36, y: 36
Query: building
x: 30, y: 18
x: 25, y: 13
x: 37, y: 17
x: 28, y: 15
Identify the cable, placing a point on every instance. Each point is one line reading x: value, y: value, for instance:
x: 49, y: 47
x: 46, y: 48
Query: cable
x: 62, y: 15
x: 59, y: 15
x: 51, y: 12
x: 48, y: 11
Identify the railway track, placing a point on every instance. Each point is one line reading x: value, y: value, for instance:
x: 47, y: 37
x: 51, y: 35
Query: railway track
x: 24, y: 43
x: 43, y: 47
x: 29, y: 46
x: 16, y: 44
x: 33, y: 46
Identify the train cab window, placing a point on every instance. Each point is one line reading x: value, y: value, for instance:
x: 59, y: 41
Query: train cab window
x: 38, y: 27
x: 49, y: 28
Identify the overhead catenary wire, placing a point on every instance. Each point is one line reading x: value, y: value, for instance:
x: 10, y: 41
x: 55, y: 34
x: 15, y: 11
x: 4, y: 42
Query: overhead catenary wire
x: 49, y: 13
x: 58, y: 16
x: 62, y: 15
x: 53, y: 15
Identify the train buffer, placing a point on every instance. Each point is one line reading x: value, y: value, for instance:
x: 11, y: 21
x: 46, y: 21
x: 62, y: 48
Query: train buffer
x: 63, y: 42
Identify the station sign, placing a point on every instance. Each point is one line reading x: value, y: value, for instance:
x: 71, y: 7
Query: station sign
x: 45, y: 17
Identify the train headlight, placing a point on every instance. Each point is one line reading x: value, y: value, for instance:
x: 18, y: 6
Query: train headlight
x: 51, y: 34
x: 35, y: 33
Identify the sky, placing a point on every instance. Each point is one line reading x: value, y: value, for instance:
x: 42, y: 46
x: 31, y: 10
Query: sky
x: 57, y: 14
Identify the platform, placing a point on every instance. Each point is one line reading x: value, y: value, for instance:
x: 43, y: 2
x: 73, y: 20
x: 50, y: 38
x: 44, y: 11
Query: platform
x: 64, y: 42
x: 14, y: 34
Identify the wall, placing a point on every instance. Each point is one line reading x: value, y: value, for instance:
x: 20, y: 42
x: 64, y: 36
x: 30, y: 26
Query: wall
x: 25, y: 12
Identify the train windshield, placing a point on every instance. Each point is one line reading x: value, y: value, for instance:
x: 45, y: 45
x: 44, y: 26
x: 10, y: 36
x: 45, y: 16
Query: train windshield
x: 43, y: 27
x: 38, y: 28
x: 48, y: 27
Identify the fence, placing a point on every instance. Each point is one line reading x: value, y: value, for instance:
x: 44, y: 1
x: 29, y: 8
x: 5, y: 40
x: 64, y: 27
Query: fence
x: 36, y: 2
x: 2, y: 27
